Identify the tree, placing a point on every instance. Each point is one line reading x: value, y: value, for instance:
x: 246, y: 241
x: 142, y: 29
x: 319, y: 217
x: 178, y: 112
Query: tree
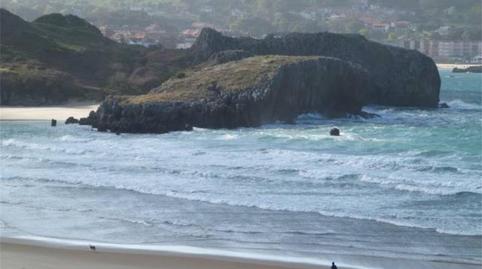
x: 364, y: 32
x: 353, y: 26
x: 392, y: 36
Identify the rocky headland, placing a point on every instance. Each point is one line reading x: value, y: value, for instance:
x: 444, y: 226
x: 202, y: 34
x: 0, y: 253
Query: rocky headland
x: 236, y: 82
x: 401, y: 77
x: 221, y: 82
x: 249, y: 92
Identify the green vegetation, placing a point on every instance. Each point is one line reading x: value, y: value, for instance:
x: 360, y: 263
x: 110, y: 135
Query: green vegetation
x: 259, y: 17
x: 30, y: 84
x: 464, y: 16
x: 55, y: 47
x: 211, y: 80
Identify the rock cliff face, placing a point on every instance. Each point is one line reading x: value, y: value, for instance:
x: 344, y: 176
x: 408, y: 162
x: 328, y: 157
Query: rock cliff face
x: 288, y: 75
x: 401, y: 77
x: 248, y: 92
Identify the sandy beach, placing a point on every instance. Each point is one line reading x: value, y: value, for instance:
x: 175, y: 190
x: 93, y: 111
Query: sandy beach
x: 452, y: 66
x: 59, y: 113
x: 24, y: 254
x: 41, y: 253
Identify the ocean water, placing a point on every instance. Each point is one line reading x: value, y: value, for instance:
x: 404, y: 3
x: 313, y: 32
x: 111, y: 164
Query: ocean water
x: 406, y: 184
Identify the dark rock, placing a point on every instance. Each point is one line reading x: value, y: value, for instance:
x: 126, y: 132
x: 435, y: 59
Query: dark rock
x: 249, y: 93
x: 475, y: 69
x: 263, y: 89
x: 101, y: 129
x: 367, y: 115
x: 401, y: 77
x: 228, y: 56
x: 85, y: 121
x: 458, y: 70
x: 71, y: 120
x: 470, y: 69
x: 335, y: 132
x: 444, y: 105
x: 53, y: 123
x: 90, y: 120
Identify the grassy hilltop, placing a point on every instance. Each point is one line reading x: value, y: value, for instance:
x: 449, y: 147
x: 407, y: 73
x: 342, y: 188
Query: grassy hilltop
x: 57, y: 57
x: 231, y: 77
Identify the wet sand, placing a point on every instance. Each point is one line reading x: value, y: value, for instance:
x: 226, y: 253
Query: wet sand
x: 18, y: 254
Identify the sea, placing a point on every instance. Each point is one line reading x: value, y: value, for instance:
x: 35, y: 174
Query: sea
x: 404, y: 185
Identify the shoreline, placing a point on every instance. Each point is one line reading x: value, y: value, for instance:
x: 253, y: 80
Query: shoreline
x: 52, y: 253
x: 452, y: 66
x: 37, y: 252
x: 60, y: 113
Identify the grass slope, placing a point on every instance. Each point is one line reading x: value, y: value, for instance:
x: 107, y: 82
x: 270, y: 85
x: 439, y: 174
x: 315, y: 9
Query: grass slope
x: 36, y: 56
x: 233, y: 76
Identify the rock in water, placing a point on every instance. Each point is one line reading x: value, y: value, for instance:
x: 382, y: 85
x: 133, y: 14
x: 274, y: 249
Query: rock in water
x: 444, y: 105
x: 71, y: 120
x: 335, y: 132
x: 249, y: 92
x: 90, y: 120
x: 53, y: 123
x: 230, y: 89
x: 401, y: 77
x: 470, y: 69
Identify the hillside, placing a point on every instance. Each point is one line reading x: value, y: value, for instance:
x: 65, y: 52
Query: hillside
x: 56, y: 58
x: 261, y: 17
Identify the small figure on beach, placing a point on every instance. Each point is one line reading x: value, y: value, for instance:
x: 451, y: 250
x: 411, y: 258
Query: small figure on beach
x: 92, y: 247
x: 335, y: 132
x: 53, y: 123
x: 333, y: 266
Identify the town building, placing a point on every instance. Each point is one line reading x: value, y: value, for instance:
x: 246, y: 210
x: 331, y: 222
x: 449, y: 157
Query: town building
x: 445, y: 50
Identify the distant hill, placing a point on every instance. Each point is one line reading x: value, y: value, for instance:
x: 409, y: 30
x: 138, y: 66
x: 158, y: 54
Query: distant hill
x: 60, y: 57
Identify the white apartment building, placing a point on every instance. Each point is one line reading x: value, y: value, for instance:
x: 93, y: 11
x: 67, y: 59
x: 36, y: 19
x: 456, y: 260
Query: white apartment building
x: 445, y: 49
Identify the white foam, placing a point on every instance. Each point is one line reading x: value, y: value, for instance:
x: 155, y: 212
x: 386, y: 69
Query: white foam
x: 228, y: 137
x: 44, y: 147
x: 459, y: 104
x: 71, y: 138
x: 170, y: 166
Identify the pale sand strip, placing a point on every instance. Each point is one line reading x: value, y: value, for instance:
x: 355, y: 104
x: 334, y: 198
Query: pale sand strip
x: 59, y: 113
x: 452, y: 66
x: 17, y: 256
